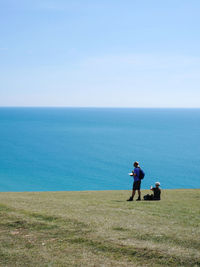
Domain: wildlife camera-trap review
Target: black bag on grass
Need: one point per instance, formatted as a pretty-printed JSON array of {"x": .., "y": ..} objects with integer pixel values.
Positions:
[{"x": 148, "y": 197}]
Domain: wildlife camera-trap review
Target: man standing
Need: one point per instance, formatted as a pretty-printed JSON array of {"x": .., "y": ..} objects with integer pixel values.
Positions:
[{"x": 137, "y": 181}]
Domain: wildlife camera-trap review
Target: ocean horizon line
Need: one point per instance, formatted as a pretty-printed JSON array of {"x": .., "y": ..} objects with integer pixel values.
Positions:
[{"x": 96, "y": 107}]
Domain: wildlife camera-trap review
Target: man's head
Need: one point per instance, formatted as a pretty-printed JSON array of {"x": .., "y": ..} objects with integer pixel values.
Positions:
[
  {"x": 136, "y": 164},
  {"x": 157, "y": 184}
]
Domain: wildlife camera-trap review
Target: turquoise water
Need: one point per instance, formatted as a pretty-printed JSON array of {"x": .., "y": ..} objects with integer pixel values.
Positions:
[{"x": 44, "y": 149}]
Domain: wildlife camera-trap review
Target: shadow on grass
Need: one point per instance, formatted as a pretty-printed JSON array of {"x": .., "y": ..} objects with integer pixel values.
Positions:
[{"x": 118, "y": 201}]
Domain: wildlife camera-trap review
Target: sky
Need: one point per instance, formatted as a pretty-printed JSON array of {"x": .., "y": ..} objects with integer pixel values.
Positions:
[{"x": 100, "y": 53}]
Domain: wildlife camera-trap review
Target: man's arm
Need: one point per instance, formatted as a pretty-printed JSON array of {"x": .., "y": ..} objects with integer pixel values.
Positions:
[{"x": 134, "y": 174}]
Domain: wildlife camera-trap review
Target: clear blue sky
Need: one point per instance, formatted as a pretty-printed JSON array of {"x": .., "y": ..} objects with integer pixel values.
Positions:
[{"x": 120, "y": 53}]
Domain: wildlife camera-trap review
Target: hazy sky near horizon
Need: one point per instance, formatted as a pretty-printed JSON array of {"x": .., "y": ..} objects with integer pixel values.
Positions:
[{"x": 131, "y": 53}]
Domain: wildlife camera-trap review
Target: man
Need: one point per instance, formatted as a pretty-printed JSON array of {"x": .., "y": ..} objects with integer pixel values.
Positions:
[
  {"x": 156, "y": 191},
  {"x": 137, "y": 181}
]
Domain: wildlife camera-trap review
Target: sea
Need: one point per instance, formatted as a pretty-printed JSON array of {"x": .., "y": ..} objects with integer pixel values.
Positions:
[{"x": 76, "y": 149}]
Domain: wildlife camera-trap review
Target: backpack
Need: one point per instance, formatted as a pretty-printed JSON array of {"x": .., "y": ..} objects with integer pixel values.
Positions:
[
  {"x": 141, "y": 174},
  {"x": 148, "y": 197}
]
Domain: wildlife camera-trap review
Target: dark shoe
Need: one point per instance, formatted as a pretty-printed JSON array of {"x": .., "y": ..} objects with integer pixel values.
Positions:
[
  {"x": 130, "y": 199},
  {"x": 139, "y": 199}
]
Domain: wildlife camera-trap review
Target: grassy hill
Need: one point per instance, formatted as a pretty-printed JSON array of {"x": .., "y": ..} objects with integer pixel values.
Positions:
[{"x": 99, "y": 229}]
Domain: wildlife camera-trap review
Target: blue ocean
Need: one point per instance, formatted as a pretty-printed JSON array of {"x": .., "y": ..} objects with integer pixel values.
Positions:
[{"x": 58, "y": 149}]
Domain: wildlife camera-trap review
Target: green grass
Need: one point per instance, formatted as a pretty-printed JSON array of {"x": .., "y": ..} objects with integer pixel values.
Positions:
[{"x": 99, "y": 229}]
